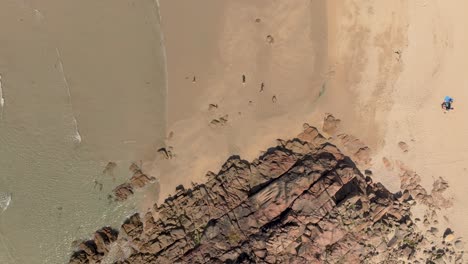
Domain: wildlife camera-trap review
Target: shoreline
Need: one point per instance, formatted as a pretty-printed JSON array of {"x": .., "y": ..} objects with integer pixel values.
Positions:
[
  {"x": 238, "y": 81},
  {"x": 303, "y": 200}
]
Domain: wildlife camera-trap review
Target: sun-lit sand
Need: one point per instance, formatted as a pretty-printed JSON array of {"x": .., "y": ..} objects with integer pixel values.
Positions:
[
  {"x": 243, "y": 73},
  {"x": 260, "y": 66}
]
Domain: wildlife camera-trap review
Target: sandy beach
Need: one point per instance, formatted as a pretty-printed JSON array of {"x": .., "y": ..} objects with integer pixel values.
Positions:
[
  {"x": 261, "y": 70},
  {"x": 167, "y": 91},
  {"x": 246, "y": 73}
]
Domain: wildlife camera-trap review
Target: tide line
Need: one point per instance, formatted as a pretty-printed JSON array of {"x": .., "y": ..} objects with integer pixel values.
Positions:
[{"x": 77, "y": 135}]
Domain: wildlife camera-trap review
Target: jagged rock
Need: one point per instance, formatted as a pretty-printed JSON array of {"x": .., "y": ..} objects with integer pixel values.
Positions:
[
  {"x": 133, "y": 226},
  {"x": 104, "y": 237},
  {"x": 359, "y": 151},
  {"x": 440, "y": 185},
  {"x": 330, "y": 124},
  {"x": 302, "y": 201},
  {"x": 93, "y": 251},
  {"x": 123, "y": 191},
  {"x": 138, "y": 180},
  {"x": 392, "y": 238}
]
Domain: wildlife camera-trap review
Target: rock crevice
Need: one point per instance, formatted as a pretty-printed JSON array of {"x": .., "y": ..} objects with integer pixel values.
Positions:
[{"x": 302, "y": 201}]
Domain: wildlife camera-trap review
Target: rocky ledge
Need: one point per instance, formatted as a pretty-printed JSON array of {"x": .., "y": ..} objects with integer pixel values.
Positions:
[
  {"x": 302, "y": 201},
  {"x": 138, "y": 180}
]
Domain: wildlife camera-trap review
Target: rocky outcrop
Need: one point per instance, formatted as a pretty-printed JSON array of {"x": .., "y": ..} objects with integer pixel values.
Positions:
[
  {"x": 302, "y": 201},
  {"x": 354, "y": 147},
  {"x": 138, "y": 180},
  {"x": 94, "y": 250}
]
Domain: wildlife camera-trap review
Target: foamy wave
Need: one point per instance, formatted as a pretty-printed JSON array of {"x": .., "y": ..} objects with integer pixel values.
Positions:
[
  {"x": 5, "y": 200},
  {"x": 2, "y": 99},
  {"x": 38, "y": 15},
  {"x": 77, "y": 135}
]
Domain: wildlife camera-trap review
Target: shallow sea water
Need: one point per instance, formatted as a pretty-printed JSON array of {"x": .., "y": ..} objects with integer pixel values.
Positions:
[{"x": 82, "y": 84}]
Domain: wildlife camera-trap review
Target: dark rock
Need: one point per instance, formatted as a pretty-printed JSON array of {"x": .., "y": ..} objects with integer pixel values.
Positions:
[
  {"x": 302, "y": 201},
  {"x": 138, "y": 180},
  {"x": 330, "y": 124},
  {"x": 123, "y": 191}
]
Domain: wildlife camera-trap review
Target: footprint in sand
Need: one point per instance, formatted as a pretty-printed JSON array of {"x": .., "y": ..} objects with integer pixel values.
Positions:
[
  {"x": 219, "y": 122},
  {"x": 243, "y": 79},
  {"x": 165, "y": 153},
  {"x": 397, "y": 55},
  {"x": 270, "y": 39},
  {"x": 258, "y": 20},
  {"x": 212, "y": 107},
  {"x": 170, "y": 136},
  {"x": 403, "y": 146},
  {"x": 273, "y": 99},
  {"x": 261, "y": 87},
  {"x": 194, "y": 80}
]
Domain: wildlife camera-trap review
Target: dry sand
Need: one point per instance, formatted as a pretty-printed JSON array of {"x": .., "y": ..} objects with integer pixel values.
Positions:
[
  {"x": 382, "y": 67},
  {"x": 434, "y": 65}
]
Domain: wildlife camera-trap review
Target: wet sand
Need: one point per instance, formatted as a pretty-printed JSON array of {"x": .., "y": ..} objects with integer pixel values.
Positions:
[{"x": 221, "y": 59}]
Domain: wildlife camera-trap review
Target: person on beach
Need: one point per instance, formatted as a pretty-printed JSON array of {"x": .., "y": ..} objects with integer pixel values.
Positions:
[{"x": 447, "y": 104}]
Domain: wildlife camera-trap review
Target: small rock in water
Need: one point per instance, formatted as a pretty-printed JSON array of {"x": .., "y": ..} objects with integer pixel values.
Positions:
[{"x": 109, "y": 169}]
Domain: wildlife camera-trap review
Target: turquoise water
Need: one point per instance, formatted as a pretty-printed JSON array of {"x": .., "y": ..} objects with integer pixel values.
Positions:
[{"x": 83, "y": 83}]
